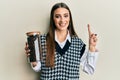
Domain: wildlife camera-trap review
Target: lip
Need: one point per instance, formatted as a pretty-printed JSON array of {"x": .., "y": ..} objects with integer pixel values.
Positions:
[{"x": 62, "y": 24}]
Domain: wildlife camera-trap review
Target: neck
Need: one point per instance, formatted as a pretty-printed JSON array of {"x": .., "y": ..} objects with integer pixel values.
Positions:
[{"x": 61, "y": 35}]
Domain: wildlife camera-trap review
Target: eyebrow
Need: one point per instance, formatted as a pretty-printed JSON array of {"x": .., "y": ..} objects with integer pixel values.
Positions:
[{"x": 64, "y": 14}]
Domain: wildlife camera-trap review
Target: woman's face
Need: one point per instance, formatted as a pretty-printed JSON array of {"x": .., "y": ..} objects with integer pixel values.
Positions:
[{"x": 61, "y": 19}]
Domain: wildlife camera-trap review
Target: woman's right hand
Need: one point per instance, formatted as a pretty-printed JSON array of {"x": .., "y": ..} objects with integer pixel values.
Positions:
[{"x": 27, "y": 50}]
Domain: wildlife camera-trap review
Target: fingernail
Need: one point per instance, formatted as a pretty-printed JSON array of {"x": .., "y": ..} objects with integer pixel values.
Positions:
[{"x": 95, "y": 34}]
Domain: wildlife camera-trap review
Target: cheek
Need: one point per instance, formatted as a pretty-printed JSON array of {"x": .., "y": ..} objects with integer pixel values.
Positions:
[
  {"x": 56, "y": 21},
  {"x": 68, "y": 21}
]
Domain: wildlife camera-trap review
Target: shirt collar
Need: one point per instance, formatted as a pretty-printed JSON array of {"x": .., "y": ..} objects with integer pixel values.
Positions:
[{"x": 67, "y": 37}]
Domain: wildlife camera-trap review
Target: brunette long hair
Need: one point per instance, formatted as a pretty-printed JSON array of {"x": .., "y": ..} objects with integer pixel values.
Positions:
[{"x": 50, "y": 56}]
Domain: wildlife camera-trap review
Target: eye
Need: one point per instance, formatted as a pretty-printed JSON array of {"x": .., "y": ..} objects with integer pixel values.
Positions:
[
  {"x": 57, "y": 16},
  {"x": 66, "y": 15}
]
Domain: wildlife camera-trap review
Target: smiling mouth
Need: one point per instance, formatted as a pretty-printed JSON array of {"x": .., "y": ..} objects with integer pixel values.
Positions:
[{"x": 62, "y": 24}]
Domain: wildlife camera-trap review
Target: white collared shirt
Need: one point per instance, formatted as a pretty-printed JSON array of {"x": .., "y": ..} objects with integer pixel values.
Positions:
[
  {"x": 62, "y": 44},
  {"x": 88, "y": 60}
]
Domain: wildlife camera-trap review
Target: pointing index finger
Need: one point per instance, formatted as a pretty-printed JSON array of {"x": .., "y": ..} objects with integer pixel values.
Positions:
[{"x": 89, "y": 31}]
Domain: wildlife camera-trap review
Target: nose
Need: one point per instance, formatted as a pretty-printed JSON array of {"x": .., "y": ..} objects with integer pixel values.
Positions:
[{"x": 62, "y": 19}]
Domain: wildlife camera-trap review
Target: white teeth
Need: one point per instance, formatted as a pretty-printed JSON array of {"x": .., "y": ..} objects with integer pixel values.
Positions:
[{"x": 62, "y": 24}]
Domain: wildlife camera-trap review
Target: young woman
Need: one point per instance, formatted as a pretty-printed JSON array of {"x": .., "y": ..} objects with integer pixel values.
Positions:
[{"x": 62, "y": 50}]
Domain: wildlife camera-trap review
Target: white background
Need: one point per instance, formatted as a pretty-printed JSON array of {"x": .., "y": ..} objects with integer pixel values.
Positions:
[{"x": 20, "y": 16}]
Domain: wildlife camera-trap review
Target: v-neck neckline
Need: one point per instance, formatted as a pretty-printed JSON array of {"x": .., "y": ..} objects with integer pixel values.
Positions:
[{"x": 60, "y": 50}]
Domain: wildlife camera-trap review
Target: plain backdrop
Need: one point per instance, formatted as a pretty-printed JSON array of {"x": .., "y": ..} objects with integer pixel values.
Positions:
[{"x": 20, "y": 16}]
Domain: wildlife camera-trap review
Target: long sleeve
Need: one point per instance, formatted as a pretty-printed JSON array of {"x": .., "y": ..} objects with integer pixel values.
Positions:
[
  {"x": 37, "y": 68},
  {"x": 88, "y": 61}
]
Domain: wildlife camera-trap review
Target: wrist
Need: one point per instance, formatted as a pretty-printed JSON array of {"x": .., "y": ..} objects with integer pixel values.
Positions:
[
  {"x": 33, "y": 64},
  {"x": 92, "y": 48}
]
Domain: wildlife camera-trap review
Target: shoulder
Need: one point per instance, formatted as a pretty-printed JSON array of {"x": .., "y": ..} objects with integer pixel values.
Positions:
[
  {"x": 77, "y": 40},
  {"x": 43, "y": 36}
]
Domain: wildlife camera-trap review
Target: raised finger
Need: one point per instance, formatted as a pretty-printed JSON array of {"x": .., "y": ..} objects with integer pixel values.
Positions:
[{"x": 89, "y": 30}]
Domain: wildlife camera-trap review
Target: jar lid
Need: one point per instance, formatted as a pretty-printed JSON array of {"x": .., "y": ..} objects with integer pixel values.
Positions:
[{"x": 33, "y": 33}]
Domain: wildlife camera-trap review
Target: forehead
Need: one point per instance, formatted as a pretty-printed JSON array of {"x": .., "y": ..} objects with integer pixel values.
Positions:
[{"x": 61, "y": 11}]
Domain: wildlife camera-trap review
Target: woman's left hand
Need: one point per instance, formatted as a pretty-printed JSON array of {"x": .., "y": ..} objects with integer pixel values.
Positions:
[{"x": 92, "y": 40}]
